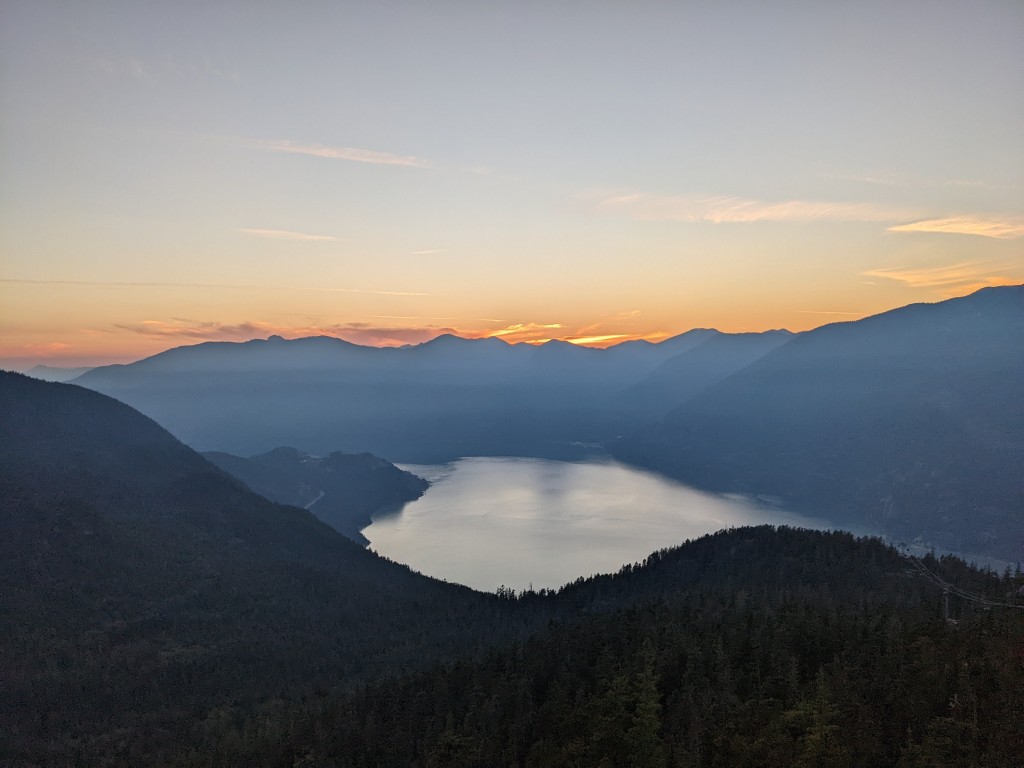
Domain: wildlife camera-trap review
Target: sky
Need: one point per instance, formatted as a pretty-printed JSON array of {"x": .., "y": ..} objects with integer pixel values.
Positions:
[{"x": 384, "y": 172}]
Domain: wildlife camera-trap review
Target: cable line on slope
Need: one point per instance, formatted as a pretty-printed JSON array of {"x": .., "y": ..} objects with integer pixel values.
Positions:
[{"x": 954, "y": 590}]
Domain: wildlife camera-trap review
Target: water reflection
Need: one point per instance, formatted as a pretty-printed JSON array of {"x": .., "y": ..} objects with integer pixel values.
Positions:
[{"x": 517, "y": 521}]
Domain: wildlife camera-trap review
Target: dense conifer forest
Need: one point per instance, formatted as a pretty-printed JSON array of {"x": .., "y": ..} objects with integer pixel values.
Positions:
[{"x": 752, "y": 647}]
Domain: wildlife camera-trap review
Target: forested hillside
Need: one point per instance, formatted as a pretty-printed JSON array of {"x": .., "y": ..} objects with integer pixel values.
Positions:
[
  {"x": 141, "y": 588},
  {"x": 342, "y": 489},
  {"x": 753, "y": 647}
]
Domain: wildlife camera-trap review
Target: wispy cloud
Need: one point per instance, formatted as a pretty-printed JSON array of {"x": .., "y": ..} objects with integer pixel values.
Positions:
[
  {"x": 217, "y": 286},
  {"x": 584, "y": 340},
  {"x": 409, "y": 317},
  {"x": 205, "y": 331},
  {"x": 949, "y": 280},
  {"x": 899, "y": 180},
  {"x": 886, "y": 178},
  {"x": 45, "y": 349},
  {"x": 358, "y": 333},
  {"x": 149, "y": 69},
  {"x": 1007, "y": 228},
  {"x": 428, "y": 252},
  {"x": 883, "y": 179},
  {"x": 516, "y": 332},
  {"x": 829, "y": 312},
  {"x": 721, "y": 209},
  {"x": 283, "y": 234},
  {"x": 617, "y": 319},
  {"x": 357, "y": 290},
  {"x": 594, "y": 334},
  {"x": 352, "y": 154},
  {"x": 383, "y": 336}
]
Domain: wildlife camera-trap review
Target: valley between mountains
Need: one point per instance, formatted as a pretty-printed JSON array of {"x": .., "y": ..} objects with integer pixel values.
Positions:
[{"x": 909, "y": 423}]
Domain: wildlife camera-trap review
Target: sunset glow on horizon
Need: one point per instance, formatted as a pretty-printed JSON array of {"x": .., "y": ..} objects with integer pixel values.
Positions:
[{"x": 386, "y": 173}]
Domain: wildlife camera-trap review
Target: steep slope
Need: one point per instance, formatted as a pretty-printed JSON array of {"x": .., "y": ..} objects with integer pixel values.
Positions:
[
  {"x": 341, "y": 489},
  {"x": 141, "y": 586},
  {"x": 911, "y": 421},
  {"x": 646, "y": 356},
  {"x": 681, "y": 377}
]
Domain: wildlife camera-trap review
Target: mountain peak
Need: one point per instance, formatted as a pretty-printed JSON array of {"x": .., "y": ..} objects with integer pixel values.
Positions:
[
  {"x": 451, "y": 340},
  {"x": 445, "y": 339},
  {"x": 557, "y": 343}
]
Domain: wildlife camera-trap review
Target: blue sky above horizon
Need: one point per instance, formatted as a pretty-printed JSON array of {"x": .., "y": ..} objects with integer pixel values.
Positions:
[{"x": 385, "y": 172}]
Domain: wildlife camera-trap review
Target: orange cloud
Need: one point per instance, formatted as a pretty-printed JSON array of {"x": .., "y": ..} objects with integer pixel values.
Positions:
[
  {"x": 357, "y": 333},
  {"x": 611, "y": 339},
  {"x": 232, "y": 286},
  {"x": 283, "y": 234},
  {"x": 516, "y": 332},
  {"x": 597, "y": 340},
  {"x": 125, "y": 342},
  {"x": 353, "y": 154},
  {"x": 539, "y": 333},
  {"x": 953, "y": 280},
  {"x": 378, "y": 335},
  {"x": 45, "y": 350},
  {"x": 203, "y": 331},
  {"x": 981, "y": 226},
  {"x": 722, "y": 209}
]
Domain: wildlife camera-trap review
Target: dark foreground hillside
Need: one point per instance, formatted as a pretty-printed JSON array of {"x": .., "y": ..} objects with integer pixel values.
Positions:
[
  {"x": 154, "y": 612},
  {"x": 753, "y": 647},
  {"x": 141, "y": 588}
]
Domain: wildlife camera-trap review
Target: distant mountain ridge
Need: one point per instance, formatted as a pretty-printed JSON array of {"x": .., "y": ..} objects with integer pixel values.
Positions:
[
  {"x": 56, "y": 373},
  {"x": 428, "y": 403}
]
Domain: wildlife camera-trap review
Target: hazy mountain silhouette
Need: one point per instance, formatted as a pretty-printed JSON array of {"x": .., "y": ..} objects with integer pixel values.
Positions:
[
  {"x": 55, "y": 373},
  {"x": 662, "y": 350},
  {"x": 911, "y": 421},
  {"x": 341, "y": 489},
  {"x": 436, "y": 401}
]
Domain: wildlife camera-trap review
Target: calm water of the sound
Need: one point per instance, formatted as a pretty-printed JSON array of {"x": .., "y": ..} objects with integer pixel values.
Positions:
[{"x": 487, "y": 522}]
